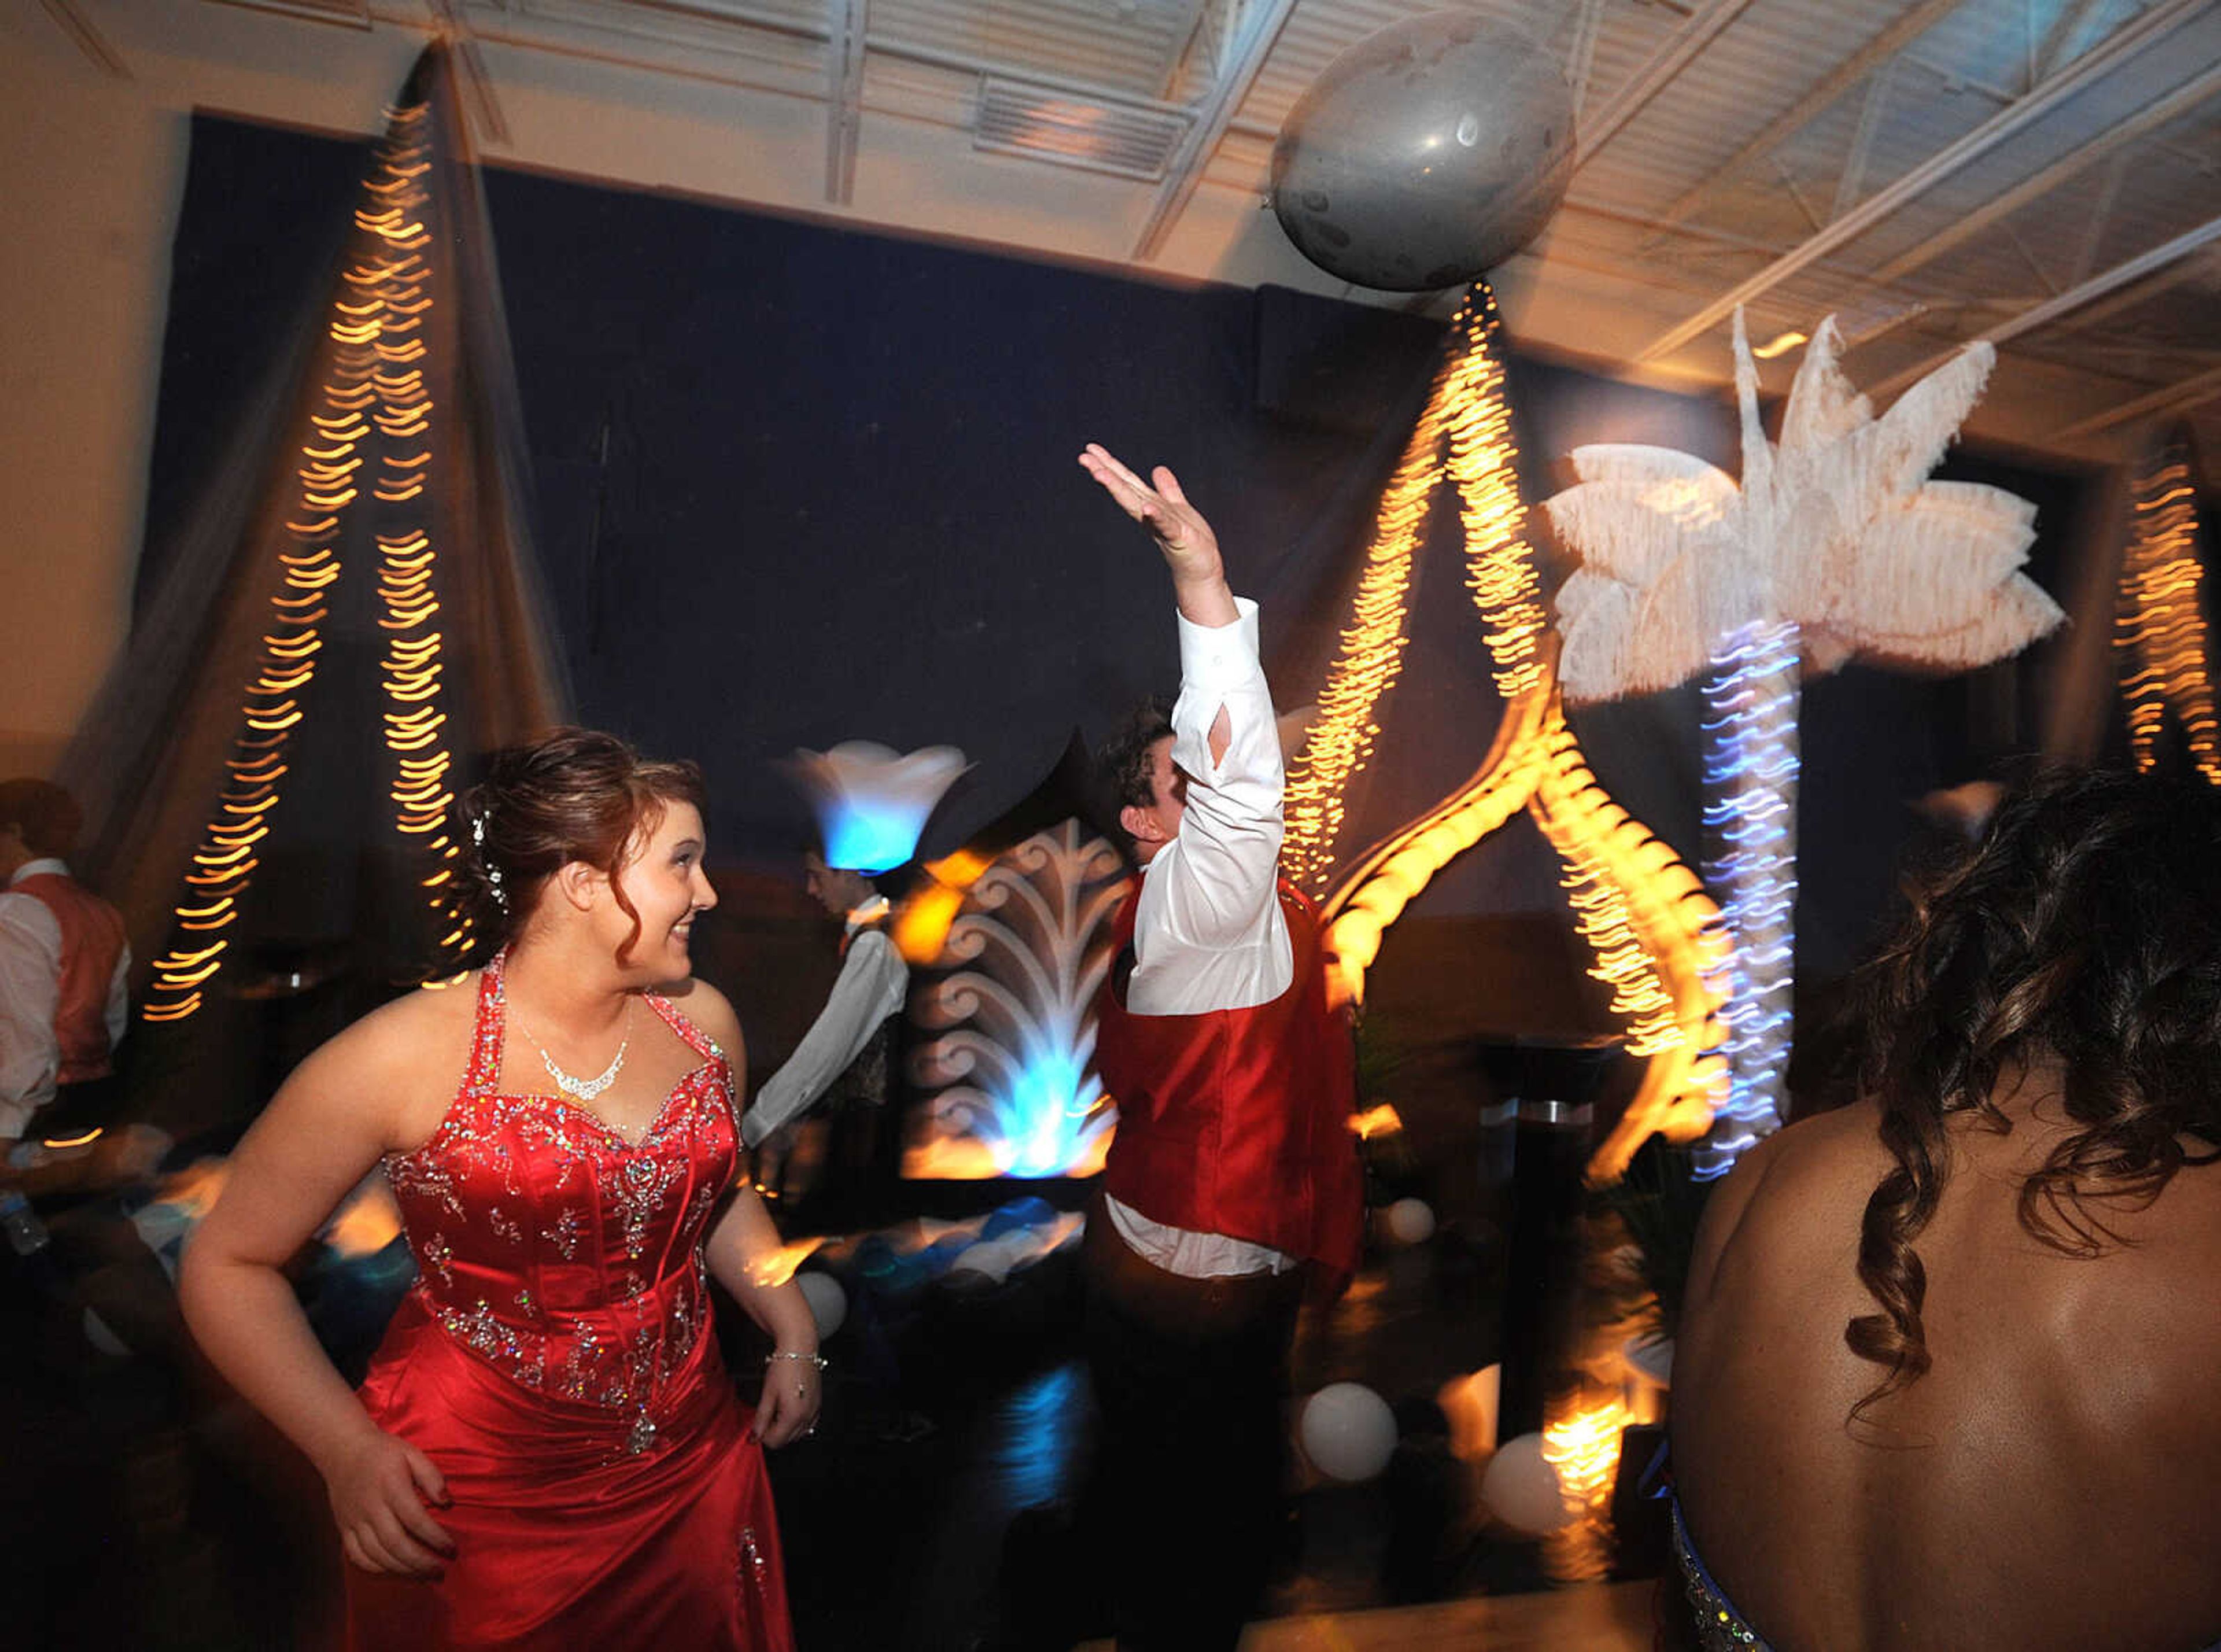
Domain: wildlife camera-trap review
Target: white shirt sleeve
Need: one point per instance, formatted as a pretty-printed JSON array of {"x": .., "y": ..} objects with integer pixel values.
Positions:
[
  {"x": 1207, "y": 934},
  {"x": 30, "y": 990},
  {"x": 873, "y": 980}
]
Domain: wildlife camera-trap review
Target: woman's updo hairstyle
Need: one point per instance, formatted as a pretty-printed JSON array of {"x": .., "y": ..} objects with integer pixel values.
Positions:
[
  {"x": 573, "y": 794},
  {"x": 2079, "y": 943}
]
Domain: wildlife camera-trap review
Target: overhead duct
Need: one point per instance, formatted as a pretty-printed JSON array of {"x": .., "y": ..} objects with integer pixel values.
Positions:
[{"x": 1017, "y": 117}]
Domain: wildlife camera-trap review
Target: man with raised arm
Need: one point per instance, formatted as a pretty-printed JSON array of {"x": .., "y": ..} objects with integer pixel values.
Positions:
[{"x": 1234, "y": 1176}]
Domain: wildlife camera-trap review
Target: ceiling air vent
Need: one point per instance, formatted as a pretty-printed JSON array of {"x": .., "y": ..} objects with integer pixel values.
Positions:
[{"x": 1073, "y": 130}]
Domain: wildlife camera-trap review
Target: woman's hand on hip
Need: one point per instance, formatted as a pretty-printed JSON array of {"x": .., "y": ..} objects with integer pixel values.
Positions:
[{"x": 380, "y": 1492}]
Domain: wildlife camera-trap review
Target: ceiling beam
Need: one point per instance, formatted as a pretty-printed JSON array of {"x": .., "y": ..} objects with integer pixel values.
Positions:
[
  {"x": 1853, "y": 179},
  {"x": 1253, "y": 38},
  {"x": 1624, "y": 105},
  {"x": 1728, "y": 241},
  {"x": 2124, "y": 42},
  {"x": 1884, "y": 46},
  {"x": 2177, "y": 102},
  {"x": 2169, "y": 398},
  {"x": 2098, "y": 286},
  {"x": 2064, "y": 29},
  {"x": 2073, "y": 298},
  {"x": 2141, "y": 293},
  {"x": 1179, "y": 44},
  {"x": 845, "y": 22},
  {"x": 475, "y": 78},
  {"x": 1580, "y": 55},
  {"x": 343, "y": 14},
  {"x": 88, "y": 39},
  {"x": 699, "y": 66},
  {"x": 2101, "y": 214}
]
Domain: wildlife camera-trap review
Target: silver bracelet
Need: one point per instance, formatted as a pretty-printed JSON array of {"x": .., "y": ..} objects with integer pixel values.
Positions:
[{"x": 817, "y": 1360}]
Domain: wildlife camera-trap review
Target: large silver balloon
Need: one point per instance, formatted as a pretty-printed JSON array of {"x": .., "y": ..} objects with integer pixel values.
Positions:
[{"x": 1425, "y": 155}]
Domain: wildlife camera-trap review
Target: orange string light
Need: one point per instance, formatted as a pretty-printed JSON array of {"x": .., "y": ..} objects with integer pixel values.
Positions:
[
  {"x": 372, "y": 388},
  {"x": 1650, "y": 929},
  {"x": 2160, "y": 623}
]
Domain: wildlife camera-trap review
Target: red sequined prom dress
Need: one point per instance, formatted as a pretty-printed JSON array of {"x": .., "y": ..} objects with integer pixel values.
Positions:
[{"x": 555, "y": 1360}]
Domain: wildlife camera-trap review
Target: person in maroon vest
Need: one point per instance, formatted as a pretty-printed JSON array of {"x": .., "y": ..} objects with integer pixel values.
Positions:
[
  {"x": 63, "y": 965},
  {"x": 1234, "y": 1181}
]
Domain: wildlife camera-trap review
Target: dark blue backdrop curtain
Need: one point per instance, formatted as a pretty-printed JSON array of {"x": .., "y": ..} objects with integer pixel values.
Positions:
[{"x": 793, "y": 484}]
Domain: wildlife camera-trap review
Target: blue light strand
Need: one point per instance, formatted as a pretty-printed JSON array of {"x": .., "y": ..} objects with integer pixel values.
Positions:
[{"x": 1750, "y": 827}]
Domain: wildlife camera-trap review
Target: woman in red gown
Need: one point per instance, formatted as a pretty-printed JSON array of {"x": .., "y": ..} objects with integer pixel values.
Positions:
[{"x": 547, "y": 1452}]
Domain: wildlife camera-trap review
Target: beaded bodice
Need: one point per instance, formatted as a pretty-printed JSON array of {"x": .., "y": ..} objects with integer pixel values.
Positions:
[
  {"x": 1720, "y": 1627},
  {"x": 568, "y": 1258}
]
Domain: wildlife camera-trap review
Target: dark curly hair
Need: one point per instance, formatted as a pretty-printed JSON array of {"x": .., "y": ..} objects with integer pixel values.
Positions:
[
  {"x": 573, "y": 794},
  {"x": 1122, "y": 767},
  {"x": 2083, "y": 934}
]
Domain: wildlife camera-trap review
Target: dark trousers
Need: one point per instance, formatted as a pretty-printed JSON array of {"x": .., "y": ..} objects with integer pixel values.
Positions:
[
  {"x": 858, "y": 1183},
  {"x": 1190, "y": 1375}
]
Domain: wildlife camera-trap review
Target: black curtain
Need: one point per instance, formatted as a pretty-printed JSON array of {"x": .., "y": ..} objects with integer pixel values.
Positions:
[{"x": 792, "y": 483}]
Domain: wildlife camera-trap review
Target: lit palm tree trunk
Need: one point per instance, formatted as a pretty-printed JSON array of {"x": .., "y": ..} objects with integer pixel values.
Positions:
[{"x": 1750, "y": 828}]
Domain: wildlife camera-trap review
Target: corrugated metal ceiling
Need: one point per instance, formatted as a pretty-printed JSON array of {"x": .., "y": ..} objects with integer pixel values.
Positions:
[{"x": 1756, "y": 146}]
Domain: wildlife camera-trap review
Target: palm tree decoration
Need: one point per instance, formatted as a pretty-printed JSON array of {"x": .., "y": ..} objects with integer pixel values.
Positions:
[{"x": 1835, "y": 545}]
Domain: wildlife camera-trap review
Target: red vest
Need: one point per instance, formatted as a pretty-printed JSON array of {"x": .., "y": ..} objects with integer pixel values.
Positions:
[
  {"x": 92, "y": 942},
  {"x": 1237, "y": 1122}
]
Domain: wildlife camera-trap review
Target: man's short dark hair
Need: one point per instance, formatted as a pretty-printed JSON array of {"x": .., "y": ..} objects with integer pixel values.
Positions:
[
  {"x": 871, "y": 878},
  {"x": 1122, "y": 767},
  {"x": 47, "y": 816}
]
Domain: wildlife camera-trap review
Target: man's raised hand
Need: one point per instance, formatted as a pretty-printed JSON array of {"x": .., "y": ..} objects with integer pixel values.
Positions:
[{"x": 1189, "y": 549}]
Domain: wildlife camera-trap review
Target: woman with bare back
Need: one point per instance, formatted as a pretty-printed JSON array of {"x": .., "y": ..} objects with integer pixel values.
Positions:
[{"x": 1946, "y": 1377}]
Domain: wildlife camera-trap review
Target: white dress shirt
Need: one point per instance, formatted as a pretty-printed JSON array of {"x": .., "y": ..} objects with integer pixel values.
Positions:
[
  {"x": 30, "y": 991},
  {"x": 1207, "y": 930},
  {"x": 871, "y": 983}
]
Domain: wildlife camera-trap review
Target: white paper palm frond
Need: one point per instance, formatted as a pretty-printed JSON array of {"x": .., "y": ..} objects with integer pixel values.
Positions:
[
  {"x": 1823, "y": 406},
  {"x": 1662, "y": 556},
  {"x": 1945, "y": 562},
  {"x": 1837, "y": 530},
  {"x": 2015, "y": 616}
]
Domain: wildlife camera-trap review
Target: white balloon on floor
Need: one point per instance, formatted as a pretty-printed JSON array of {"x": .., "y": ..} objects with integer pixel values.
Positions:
[
  {"x": 1521, "y": 1490},
  {"x": 1348, "y": 1431},
  {"x": 1411, "y": 1221},
  {"x": 828, "y": 1303}
]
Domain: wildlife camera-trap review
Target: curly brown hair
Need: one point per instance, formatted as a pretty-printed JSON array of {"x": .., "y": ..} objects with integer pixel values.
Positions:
[
  {"x": 573, "y": 794},
  {"x": 2082, "y": 935}
]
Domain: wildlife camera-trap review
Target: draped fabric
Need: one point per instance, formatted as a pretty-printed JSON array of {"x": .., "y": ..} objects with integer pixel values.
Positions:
[
  {"x": 555, "y": 1360},
  {"x": 740, "y": 421},
  {"x": 175, "y": 719}
]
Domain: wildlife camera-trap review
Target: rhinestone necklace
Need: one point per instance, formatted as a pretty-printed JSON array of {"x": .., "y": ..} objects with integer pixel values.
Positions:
[{"x": 584, "y": 1089}]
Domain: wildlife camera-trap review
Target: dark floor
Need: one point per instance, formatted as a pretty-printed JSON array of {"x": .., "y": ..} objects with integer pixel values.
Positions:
[
  {"x": 895, "y": 1514},
  {"x": 140, "y": 1507}
]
